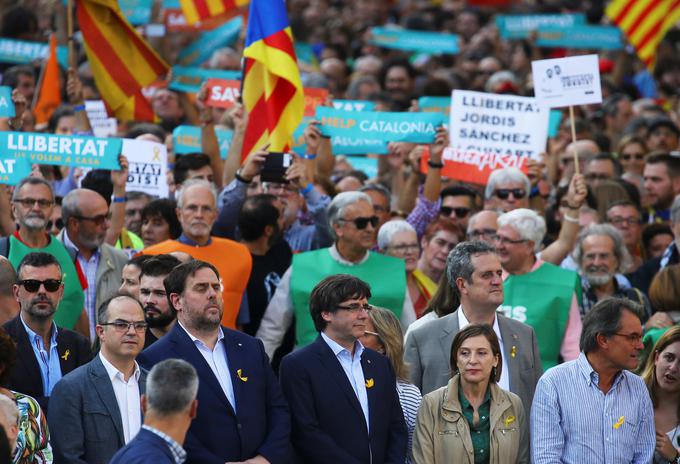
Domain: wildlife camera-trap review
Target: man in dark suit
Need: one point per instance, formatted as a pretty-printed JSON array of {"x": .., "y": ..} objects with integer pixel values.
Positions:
[
  {"x": 474, "y": 271},
  {"x": 342, "y": 397},
  {"x": 95, "y": 410},
  {"x": 45, "y": 352},
  {"x": 169, "y": 407},
  {"x": 242, "y": 415}
]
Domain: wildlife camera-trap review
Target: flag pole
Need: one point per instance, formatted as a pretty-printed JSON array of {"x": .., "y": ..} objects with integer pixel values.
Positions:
[
  {"x": 573, "y": 137},
  {"x": 69, "y": 34}
]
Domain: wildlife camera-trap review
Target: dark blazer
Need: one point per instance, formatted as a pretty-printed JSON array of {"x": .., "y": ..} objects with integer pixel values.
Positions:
[
  {"x": 261, "y": 423},
  {"x": 328, "y": 423},
  {"x": 145, "y": 448},
  {"x": 84, "y": 419},
  {"x": 73, "y": 350}
]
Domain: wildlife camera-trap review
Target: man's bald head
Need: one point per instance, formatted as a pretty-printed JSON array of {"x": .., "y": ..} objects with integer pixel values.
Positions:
[{"x": 9, "y": 306}]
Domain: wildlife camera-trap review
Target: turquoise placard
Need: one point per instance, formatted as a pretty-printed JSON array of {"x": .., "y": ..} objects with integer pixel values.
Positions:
[
  {"x": 24, "y": 52},
  {"x": 13, "y": 170},
  {"x": 6, "y": 104},
  {"x": 354, "y": 105},
  {"x": 189, "y": 78},
  {"x": 138, "y": 12},
  {"x": 62, "y": 150},
  {"x": 415, "y": 41},
  {"x": 305, "y": 54},
  {"x": 340, "y": 145},
  {"x": 435, "y": 105},
  {"x": 171, "y": 4},
  {"x": 554, "y": 121},
  {"x": 187, "y": 139},
  {"x": 202, "y": 48},
  {"x": 520, "y": 26},
  {"x": 585, "y": 37},
  {"x": 372, "y": 125},
  {"x": 369, "y": 166}
]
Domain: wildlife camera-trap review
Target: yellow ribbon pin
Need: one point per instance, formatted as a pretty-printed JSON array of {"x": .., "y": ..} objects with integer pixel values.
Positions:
[
  {"x": 509, "y": 420},
  {"x": 240, "y": 376},
  {"x": 513, "y": 351},
  {"x": 66, "y": 355},
  {"x": 619, "y": 423},
  {"x": 369, "y": 383}
]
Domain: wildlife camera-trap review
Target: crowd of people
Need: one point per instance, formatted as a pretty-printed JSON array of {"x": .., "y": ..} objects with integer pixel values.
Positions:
[{"x": 339, "y": 316}]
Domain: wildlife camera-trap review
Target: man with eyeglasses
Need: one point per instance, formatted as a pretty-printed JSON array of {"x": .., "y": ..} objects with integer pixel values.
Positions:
[
  {"x": 87, "y": 219},
  {"x": 95, "y": 410},
  {"x": 507, "y": 189},
  {"x": 342, "y": 397},
  {"x": 32, "y": 205},
  {"x": 353, "y": 222},
  {"x": 45, "y": 351},
  {"x": 594, "y": 409},
  {"x": 627, "y": 219},
  {"x": 458, "y": 203},
  {"x": 601, "y": 167}
]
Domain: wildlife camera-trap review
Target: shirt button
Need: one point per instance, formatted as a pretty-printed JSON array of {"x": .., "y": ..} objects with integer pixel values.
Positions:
[
  {"x": 483, "y": 417},
  {"x": 239, "y": 426}
]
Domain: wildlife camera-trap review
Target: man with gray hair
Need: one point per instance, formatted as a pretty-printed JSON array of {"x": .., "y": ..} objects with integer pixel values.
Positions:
[
  {"x": 353, "y": 223},
  {"x": 538, "y": 293},
  {"x": 474, "y": 271},
  {"x": 600, "y": 255},
  {"x": 507, "y": 189},
  {"x": 9, "y": 421},
  {"x": 169, "y": 406}
]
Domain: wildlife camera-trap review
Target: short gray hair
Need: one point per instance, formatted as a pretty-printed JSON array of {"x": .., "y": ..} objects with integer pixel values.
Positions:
[
  {"x": 187, "y": 184},
  {"x": 380, "y": 188},
  {"x": 459, "y": 261},
  {"x": 389, "y": 229},
  {"x": 620, "y": 250},
  {"x": 604, "y": 319},
  {"x": 9, "y": 409},
  {"x": 506, "y": 176},
  {"x": 171, "y": 387},
  {"x": 527, "y": 222},
  {"x": 675, "y": 210},
  {"x": 336, "y": 209},
  {"x": 31, "y": 181}
]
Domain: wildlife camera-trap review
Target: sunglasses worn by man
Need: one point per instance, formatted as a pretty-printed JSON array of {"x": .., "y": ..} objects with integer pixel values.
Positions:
[
  {"x": 460, "y": 212},
  {"x": 33, "y": 285},
  {"x": 362, "y": 222},
  {"x": 504, "y": 194}
]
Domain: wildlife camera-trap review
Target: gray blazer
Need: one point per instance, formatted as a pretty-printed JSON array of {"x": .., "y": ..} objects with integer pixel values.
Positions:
[
  {"x": 428, "y": 353},
  {"x": 83, "y": 416}
]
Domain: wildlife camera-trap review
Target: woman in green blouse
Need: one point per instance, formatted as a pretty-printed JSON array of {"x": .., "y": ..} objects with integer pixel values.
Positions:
[{"x": 472, "y": 420}]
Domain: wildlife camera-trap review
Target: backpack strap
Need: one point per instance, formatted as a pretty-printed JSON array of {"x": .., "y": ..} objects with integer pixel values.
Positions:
[{"x": 4, "y": 246}]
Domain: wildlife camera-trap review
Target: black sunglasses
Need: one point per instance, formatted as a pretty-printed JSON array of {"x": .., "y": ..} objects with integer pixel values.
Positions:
[
  {"x": 33, "y": 285},
  {"x": 362, "y": 222},
  {"x": 97, "y": 220},
  {"x": 504, "y": 194},
  {"x": 460, "y": 212},
  {"x": 59, "y": 224}
]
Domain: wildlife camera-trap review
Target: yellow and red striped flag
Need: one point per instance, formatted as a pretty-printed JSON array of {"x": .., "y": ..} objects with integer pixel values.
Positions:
[
  {"x": 644, "y": 23},
  {"x": 121, "y": 60},
  {"x": 49, "y": 96},
  {"x": 200, "y": 10},
  {"x": 272, "y": 90}
]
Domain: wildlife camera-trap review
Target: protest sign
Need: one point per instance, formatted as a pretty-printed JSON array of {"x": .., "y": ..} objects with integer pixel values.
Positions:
[
  {"x": 25, "y": 52},
  {"x": 435, "y": 105},
  {"x": 570, "y": 81},
  {"x": 368, "y": 165},
  {"x": 138, "y": 12},
  {"x": 102, "y": 124},
  {"x": 148, "y": 167},
  {"x": 305, "y": 54},
  {"x": 223, "y": 93},
  {"x": 372, "y": 125},
  {"x": 554, "y": 122},
  {"x": 187, "y": 139},
  {"x": 201, "y": 49},
  {"x": 340, "y": 145},
  {"x": 353, "y": 105},
  {"x": 13, "y": 170},
  {"x": 474, "y": 167},
  {"x": 586, "y": 37},
  {"x": 484, "y": 123},
  {"x": 432, "y": 43},
  {"x": 62, "y": 150},
  {"x": 520, "y": 26},
  {"x": 6, "y": 103},
  {"x": 313, "y": 98},
  {"x": 189, "y": 78}
]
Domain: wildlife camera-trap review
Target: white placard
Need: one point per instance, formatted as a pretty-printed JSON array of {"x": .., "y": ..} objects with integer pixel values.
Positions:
[
  {"x": 148, "y": 167},
  {"x": 487, "y": 123},
  {"x": 102, "y": 125},
  {"x": 570, "y": 81}
]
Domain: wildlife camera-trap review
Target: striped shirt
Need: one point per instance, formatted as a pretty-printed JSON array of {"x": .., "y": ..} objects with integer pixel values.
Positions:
[
  {"x": 89, "y": 267},
  {"x": 178, "y": 453},
  {"x": 409, "y": 398},
  {"x": 573, "y": 421}
]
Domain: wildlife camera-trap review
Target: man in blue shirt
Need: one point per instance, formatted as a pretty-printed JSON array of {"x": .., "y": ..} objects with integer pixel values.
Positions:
[{"x": 593, "y": 409}]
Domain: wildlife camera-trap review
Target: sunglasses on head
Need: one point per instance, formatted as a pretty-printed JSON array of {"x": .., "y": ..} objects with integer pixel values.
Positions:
[
  {"x": 362, "y": 222},
  {"x": 461, "y": 212},
  {"x": 33, "y": 285},
  {"x": 504, "y": 194}
]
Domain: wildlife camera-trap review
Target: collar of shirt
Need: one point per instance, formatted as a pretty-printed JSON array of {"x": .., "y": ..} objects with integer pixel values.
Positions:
[
  {"x": 463, "y": 322},
  {"x": 335, "y": 254},
  {"x": 69, "y": 242},
  {"x": 668, "y": 255},
  {"x": 220, "y": 335},
  {"x": 32, "y": 335},
  {"x": 591, "y": 375},
  {"x": 113, "y": 371},
  {"x": 187, "y": 241},
  {"x": 337, "y": 349},
  {"x": 178, "y": 453}
]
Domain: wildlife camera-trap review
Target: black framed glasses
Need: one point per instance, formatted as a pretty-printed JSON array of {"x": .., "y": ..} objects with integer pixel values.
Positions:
[
  {"x": 29, "y": 202},
  {"x": 356, "y": 307},
  {"x": 630, "y": 221},
  {"x": 504, "y": 194},
  {"x": 59, "y": 224},
  {"x": 633, "y": 338},
  {"x": 363, "y": 222},
  {"x": 477, "y": 234},
  {"x": 460, "y": 212},
  {"x": 507, "y": 241},
  {"x": 636, "y": 156},
  {"x": 123, "y": 326},
  {"x": 33, "y": 285},
  {"x": 97, "y": 220}
]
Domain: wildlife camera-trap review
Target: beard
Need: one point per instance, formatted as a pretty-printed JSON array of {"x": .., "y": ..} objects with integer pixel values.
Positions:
[
  {"x": 38, "y": 312},
  {"x": 595, "y": 277},
  {"x": 159, "y": 319},
  {"x": 34, "y": 223}
]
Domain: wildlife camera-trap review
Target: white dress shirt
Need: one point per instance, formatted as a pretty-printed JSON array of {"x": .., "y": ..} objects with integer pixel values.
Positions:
[{"x": 127, "y": 397}]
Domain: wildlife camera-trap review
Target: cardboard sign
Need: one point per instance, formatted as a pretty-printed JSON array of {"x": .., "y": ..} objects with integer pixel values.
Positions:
[
  {"x": 201, "y": 50},
  {"x": 187, "y": 139},
  {"x": 138, "y": 12},
  {"x": 354, "y": 105},
  {"x": 366, "y": 164},
  {"x": 433, "y": 43},
  {"x": 223, "y": 93},
  {"x": 25, "y": 52},
  {"x": 435, "y": 105},
  {"x": 6, "y": 104},
  {"x": 474, "y": 167},
  {"x": 313, "y": 98},
  {"x": 485, "y": 123},
  {"x": 570, "y": 81},
  {"x": 189, "y": 79},
  {"x": 521, "y": 26},
  {"x": 13, "y": 170},
  {"x": 340, "y": 145},
  {"x": 554, "y": 122},
  {"x": 584, "y": 37},
  {"x": 102, "y": 124},
  {"x": 148, "y": 167}
]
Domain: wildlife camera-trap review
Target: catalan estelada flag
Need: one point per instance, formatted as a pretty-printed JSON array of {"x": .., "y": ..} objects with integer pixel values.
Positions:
[
  {"x": 200, "y": 10},
  {"x": 121, "y": 61},
  {"x": 49, "y": 96},
  {"x": 644, "y": 23},
  {"x": 272, "y": 91}
]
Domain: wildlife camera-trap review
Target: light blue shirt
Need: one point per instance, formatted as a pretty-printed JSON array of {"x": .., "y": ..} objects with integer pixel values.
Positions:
[
  {"x": 217, "y": 361},
  {"x": 48, "y": 361},
  {"x": 573, "y": 421},
  {"x": 352, "y": 367}
]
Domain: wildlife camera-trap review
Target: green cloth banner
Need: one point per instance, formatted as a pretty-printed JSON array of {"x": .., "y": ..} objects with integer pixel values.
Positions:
[
  {"x": 201, "y": 49},
  {"x": 6, "y": 104},
  {"x": 373, "y": 126},
  {"x": 62, "y": 150},
  {"x": 432, "y": 43},
  {"x": 187, "y": 139},
  {"x": 583, "y": 37},
  {"x": 189, "y": 78},
  {"x": 521, "y": 26},
  {"x": 25, "y": 52}
]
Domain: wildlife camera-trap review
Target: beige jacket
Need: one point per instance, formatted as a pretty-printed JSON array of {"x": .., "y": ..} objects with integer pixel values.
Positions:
[{"x": 442, "y": 434}]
